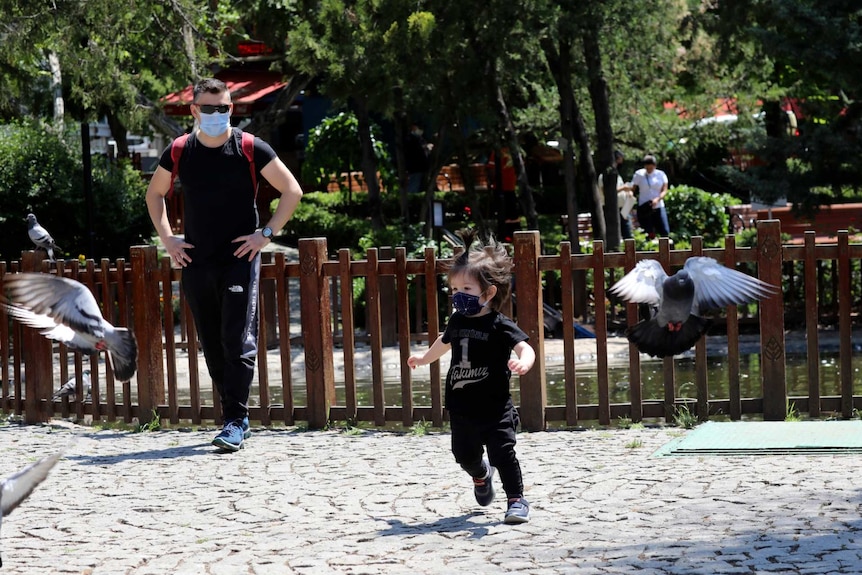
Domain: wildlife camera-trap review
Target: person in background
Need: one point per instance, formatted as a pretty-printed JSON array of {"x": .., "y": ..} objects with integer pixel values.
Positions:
[
  {"x": 220, "y": 253},
  {"x": 625, "y": 198},
  {"x": 650, "y": 184},
  {"x": 477, "y": 386},
  {"x": 416, "y": 152}
]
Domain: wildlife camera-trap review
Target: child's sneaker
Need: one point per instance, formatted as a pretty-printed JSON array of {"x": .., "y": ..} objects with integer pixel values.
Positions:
[
  {"x": 483, "y": 489},
  {"x": 518, "y": 511}
]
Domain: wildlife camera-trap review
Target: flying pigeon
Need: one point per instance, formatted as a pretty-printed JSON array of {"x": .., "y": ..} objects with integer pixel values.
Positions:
[
  {"x": 40, "y": 236},
  {"x": 65, "y": 310},
  {"x": 680, "y": 301},
  {"x": 15, "y": 488},
  {"x": 69, "y": 390}
]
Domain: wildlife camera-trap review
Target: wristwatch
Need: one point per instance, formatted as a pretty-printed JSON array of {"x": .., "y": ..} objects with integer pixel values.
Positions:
[{"x": 266, "y": 232}]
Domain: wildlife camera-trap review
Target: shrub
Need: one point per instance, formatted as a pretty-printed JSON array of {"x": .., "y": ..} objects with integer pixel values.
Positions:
[
  {"x": 42, "y": 172},
  {"x": 334, "y": 147},
  {"x": 694, "y": 212}
]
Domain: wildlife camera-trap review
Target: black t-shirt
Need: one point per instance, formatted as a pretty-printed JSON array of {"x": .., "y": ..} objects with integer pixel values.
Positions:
[
  {"x": 477, "y": 384},
  {"x": 218, "y": 195}
]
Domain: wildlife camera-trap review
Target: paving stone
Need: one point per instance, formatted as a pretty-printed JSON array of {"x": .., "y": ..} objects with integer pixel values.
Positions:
[{"x": 315, "y": 503}]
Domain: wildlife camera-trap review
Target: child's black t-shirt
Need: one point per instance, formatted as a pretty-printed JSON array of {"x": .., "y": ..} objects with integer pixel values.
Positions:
[{"x": 477, "y": 384}]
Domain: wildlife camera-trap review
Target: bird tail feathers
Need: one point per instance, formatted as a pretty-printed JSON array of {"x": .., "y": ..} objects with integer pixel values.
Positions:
[
  {"x": 124, "y": 353},
  {"x": 657, "y": 341}
]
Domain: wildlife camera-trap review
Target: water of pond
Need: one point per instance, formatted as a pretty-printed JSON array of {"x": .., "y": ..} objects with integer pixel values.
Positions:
[{"x": 652, "y": 378}]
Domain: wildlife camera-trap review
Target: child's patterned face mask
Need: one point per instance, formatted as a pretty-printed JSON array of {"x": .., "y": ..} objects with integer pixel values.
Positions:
[{"x": 467, "y": 304}]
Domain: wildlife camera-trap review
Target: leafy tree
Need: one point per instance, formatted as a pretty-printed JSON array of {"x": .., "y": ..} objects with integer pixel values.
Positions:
[
  {"x": 42, "y": 172},
  {"x": 797, "y": 52}
]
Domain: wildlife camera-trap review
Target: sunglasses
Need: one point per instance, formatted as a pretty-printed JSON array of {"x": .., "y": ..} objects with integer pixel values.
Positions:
[{"x": 211, "y": 109}]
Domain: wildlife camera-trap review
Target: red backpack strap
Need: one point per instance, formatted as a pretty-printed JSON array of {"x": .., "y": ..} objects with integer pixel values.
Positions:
[
  {"x": 248, "y": 152},
  {"x": 177, "y": 147}
]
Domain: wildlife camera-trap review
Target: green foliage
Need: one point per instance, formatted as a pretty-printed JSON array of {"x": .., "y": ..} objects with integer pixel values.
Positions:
[
  {"x": 154, "y": 424},
  {"x": 694, "y": 212},
  {"x": 684, "y": 417},
  {"x": 42, "y": 172},
  {"x": 333, "y": 148}
]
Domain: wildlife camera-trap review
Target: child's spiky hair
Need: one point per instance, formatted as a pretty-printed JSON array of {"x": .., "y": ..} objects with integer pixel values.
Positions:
[{"x": 487, "y": 262}]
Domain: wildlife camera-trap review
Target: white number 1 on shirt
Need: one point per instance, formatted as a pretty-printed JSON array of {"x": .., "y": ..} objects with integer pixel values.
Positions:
[{"x": 465, "y": 359}]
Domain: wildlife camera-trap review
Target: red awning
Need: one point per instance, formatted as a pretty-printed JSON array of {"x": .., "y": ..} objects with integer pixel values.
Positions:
[{"x": 247, "y": 88}]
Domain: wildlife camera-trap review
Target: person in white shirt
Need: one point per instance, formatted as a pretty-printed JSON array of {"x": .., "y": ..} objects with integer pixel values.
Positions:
[
  {"x": 625, "y": 198},
  {"x": 651, "y": 186}
]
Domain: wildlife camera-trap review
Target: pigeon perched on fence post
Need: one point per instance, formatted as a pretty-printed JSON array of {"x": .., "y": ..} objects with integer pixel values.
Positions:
[
  {"x": 69, "y": 390},
  {"x": 680, "y": 301},
  {"x": 40, "y": 236},
  {"x": 65, "y": 310},
  {"x": 15, "y": 488}
]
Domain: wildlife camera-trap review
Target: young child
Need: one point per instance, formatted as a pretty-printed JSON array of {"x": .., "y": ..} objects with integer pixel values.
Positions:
[{"x": 480, "y": 406}]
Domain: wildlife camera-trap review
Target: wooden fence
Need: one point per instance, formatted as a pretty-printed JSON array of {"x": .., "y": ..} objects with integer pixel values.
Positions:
[{"x": 397, "y": 292}]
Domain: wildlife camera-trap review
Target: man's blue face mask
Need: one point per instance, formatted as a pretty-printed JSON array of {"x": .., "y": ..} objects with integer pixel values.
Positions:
[
  {"x": 467, "y": 304},
  {"x": 215, "y": 124}
]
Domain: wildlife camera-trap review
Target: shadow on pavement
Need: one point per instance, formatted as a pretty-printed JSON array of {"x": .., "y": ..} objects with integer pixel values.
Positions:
[{"x": 444, "y": 525}]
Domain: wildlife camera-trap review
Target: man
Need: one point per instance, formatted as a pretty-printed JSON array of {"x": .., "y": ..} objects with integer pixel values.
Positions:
[
  {"x": 220, "y": 253},
  {"x": 651, "y": 186}
]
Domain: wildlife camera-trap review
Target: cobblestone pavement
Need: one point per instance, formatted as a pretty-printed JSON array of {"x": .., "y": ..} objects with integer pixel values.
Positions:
[{"x": 300, "y": 502}]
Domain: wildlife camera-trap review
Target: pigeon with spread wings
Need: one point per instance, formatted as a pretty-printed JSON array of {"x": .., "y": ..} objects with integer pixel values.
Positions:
[
  {"x": 64, "y": 310},
  {"x": 680, "y": 301},
  {"x": 15, "y": 488}
]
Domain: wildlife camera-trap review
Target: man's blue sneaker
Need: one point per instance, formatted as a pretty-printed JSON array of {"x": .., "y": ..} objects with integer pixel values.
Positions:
[
  {"x": 483, "y": 489},
  {"x": 246, "y": 429},
  {"x": 518, "y": 511},
  {"x": 231, "y": 436}
]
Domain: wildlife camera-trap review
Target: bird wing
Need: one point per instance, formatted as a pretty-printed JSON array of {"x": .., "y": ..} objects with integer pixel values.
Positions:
[
  {"x": 643, "y": 284},
  {"x": 717, "y": 286},
  {"x": 40, "y": 236},
  {"x": 15, "y": 488},
  {"x": 66, "y": 301},
  {"x": 49, "y": 327}
]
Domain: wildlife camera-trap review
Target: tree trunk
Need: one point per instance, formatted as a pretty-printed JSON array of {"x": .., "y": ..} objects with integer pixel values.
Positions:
[
  {"x": 119, "y": 132},
  {"x": 401, "y": 127},
  {"x": 57, "y": 89},
  {"x": 598, "y": 88},
  {"x": 560, "y": 64},
  {"x": 368, "y": 162},
  {"x": 525, "y": 193}
]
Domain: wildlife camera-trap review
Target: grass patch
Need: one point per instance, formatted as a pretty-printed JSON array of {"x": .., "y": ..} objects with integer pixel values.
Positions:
[{"x": 684, "y": 417}]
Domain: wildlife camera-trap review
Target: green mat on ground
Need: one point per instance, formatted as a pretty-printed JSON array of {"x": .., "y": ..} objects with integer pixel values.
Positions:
[{"x": 767, "y": 438}]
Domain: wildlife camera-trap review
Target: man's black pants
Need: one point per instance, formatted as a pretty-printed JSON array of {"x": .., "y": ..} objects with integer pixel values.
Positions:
[{"x": 223, "y": 302}]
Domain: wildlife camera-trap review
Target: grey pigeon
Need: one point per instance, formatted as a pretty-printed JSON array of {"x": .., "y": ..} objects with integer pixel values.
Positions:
[
  {"x": 680, "y": 301},
  {"x": 69, "y": 389},
  {"x": 15, "y": 488},
  {"x": 65, "y": 310},
  {"x": 40, "y": 236}
]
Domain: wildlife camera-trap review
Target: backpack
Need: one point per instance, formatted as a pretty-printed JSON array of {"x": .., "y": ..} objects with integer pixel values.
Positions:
[{"x": 179, "y": 144}]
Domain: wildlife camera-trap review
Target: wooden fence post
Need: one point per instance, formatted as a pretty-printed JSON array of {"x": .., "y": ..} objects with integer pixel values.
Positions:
[
  {"x": 38, "y": 358},
  {"x": 148, "y": 329},
  {"x": 528, "y": 285},
  {"x": 388, "y": 300},
  {"x": 769, "y": 263},
  {"x": 316, "y": 331}
]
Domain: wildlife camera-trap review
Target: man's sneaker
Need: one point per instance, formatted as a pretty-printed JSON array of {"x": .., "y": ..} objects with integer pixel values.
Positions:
[
  {"x": 518, "y": 512},
  {"x": 483, "y": 489},
  {"x": 231, "y": 436},
  {"x": 246, "y": 429}
]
